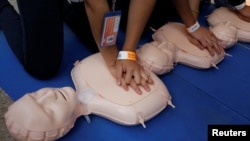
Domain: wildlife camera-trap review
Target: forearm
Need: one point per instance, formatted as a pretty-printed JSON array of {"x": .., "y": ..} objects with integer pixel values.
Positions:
[
  {"x": 185, "y": 12},
  {"x": 95, "y": 10},
  {"x": 139, "y": 13},
  {"x": 195, "y": 5}
]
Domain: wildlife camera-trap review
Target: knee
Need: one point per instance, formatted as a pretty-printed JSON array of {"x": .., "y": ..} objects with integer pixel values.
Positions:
[{"x": 41, "y": 69}]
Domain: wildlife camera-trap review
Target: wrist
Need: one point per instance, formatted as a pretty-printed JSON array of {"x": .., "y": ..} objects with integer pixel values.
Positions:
[
  {"x": 194, "y": 27},
  {"x": 126, "y": 55},
  {"x": 109, "y": 55},
  {"x": 241, "y": 6}
]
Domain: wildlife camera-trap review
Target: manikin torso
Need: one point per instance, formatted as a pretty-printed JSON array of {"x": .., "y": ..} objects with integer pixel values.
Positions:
[
  {"x": 224, "y": 14},
  {"x": 98, "y": 91}
]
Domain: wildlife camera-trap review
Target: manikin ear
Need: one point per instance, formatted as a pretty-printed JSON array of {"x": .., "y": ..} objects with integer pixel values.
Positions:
[
  {"x": 224, "y": 14},
  {"x": 105, "y": 98},
  {"x": 158, "y": 57},
  {"x": 186, "y": 52}
]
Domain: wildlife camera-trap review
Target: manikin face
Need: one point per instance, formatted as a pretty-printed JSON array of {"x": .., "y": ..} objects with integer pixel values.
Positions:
[{"x": 46, "y": 109}]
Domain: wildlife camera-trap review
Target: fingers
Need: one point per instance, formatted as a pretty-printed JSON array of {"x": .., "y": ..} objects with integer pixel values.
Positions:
[
  {"x": 138, "y": 80},
  {"x": 214, "y": 49},
  {"x": 218, "y": 47},
  {"x": 146, "y": 80},
  {"x": 132, "y": 74},
  {"x": 128, "y": 75},
  {"x": 145, "y": 74},
  {"x": 243, "y": 14},
  {"x": 205, "y": 39},
  {"x": 137, "y": 87},
  {"x": 119, "y": 73},
  {"x": 124, "y": 85},
  {"x": 137, "y": 77},
  {"x": 244, "y": 18},
  {"x": 212, "y": 44},
  {"x": 195, "y": 42},
  {"x": 211, "y": 50}
]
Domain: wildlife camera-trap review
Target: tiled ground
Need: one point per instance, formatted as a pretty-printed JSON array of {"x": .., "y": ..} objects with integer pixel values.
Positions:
[{"x": 5, "y": 101}]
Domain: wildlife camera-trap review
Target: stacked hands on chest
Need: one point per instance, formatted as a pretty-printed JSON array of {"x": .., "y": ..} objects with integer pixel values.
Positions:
[{"x": 171, "y": 43}]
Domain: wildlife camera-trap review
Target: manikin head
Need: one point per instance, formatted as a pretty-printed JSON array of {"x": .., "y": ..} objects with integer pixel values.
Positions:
[{"x": 44, "y": 115}]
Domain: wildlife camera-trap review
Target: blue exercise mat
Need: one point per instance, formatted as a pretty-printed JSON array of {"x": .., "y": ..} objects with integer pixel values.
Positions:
[
  {"x": 230, "y": 84},
  {"x": 188, "y": 121}
]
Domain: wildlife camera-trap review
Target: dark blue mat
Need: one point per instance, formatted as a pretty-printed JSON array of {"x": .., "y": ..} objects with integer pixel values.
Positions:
[
  {"x": 188, "y": 121},
  {"x": 201, "y": 97},
  {"x": 230, "y": 84}
]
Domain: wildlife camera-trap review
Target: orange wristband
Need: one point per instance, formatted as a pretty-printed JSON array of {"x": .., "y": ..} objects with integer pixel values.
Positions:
[{"x": 129, "y": 55}]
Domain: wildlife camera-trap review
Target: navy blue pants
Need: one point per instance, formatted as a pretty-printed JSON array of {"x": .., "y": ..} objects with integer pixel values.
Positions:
[{"x": 36, "y": 34}]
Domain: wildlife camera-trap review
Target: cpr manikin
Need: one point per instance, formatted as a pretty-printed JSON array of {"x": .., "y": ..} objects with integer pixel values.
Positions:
[
  {"x": 97, "y": 91},
  {"x": 170, "y": 45},
  {"x": 224, "y": 14},
  {"x": 50, "y": 113}
]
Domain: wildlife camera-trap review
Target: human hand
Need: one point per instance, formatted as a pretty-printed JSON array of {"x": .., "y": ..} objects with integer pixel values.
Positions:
[
  {"x": 205, "y": 39},
  {"x": 244, "y": 13},
  {"x": 130, "y": 73}
]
